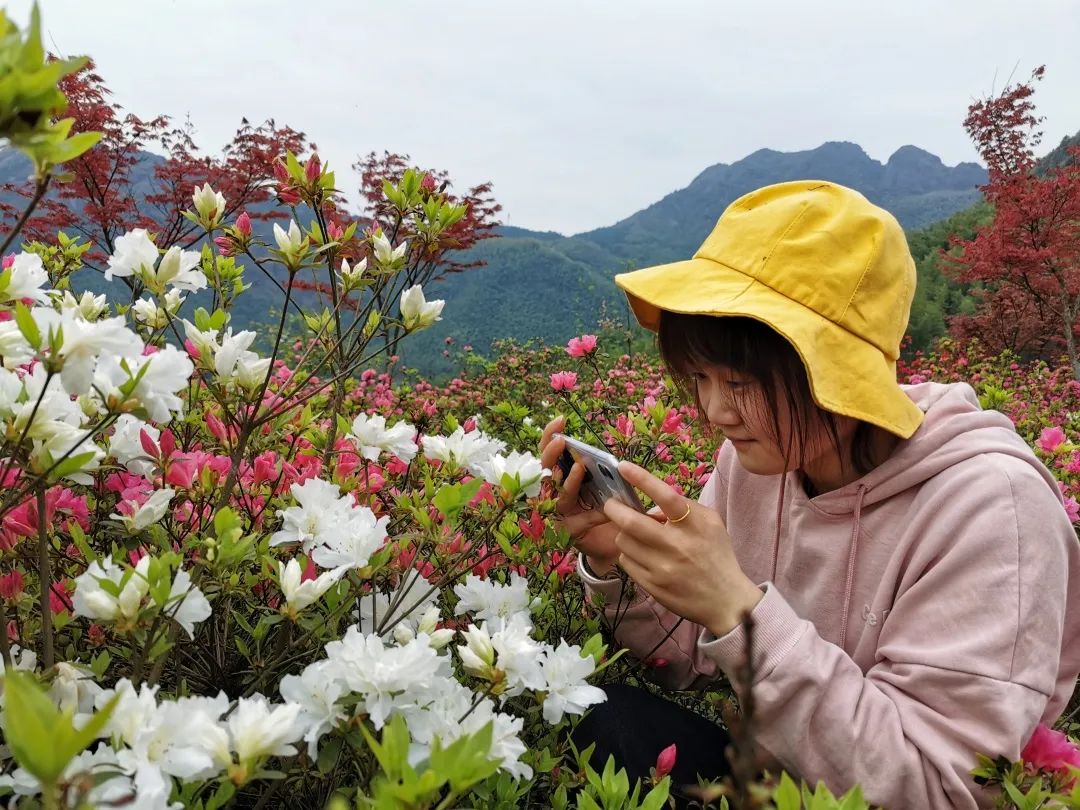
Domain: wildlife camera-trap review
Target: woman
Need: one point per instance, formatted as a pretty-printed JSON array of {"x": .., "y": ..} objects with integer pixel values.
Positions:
[{"x": 908, "y": 564}]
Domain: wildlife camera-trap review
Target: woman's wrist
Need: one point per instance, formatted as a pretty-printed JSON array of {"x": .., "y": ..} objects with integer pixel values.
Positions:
[{"x": 742, "y": 601}]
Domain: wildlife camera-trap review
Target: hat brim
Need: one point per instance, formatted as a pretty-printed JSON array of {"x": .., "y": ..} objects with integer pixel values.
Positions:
[{"x": 847, "y": 375}]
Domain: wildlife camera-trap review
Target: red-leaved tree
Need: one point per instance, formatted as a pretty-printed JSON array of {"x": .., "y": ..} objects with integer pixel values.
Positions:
[
  {"x": 1026, "y": 262},
  {"x": 142, "y": 172}
]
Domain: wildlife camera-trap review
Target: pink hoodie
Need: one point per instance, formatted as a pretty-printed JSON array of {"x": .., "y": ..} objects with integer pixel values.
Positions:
[{"x": 926, "y": 612}]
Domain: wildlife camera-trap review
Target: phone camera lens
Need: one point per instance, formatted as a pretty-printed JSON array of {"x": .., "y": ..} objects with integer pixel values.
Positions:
[{"x": 605, "y": 472}]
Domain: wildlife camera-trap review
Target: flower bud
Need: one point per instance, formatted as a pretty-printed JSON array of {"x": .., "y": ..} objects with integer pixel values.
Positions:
[
  {"x": 243, "y": 224},
  {"x": 313, "y": 168},
  {"x": 665, "y": 761}
]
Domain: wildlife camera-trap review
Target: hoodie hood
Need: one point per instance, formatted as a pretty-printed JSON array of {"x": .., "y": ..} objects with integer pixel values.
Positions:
[{"x": 954, "y": 429}]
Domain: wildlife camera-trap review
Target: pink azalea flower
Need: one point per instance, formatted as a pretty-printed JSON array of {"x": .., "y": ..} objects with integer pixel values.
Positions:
[
  {"x": 564, "y": 381},
  {"x": 563, "y": 563},
  {"x": 581, "y": 346},
  {"x": 1050, "y": 439},
  {"x": 1050, "y": 750},
  {"x": 1072, "y": 509},
  {"x": 533, "y": 528},
  {"x": 11, "y": 585}
]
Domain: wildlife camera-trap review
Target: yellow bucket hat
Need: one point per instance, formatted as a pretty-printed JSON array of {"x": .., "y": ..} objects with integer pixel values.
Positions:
[{"x": 821, "y": 265}]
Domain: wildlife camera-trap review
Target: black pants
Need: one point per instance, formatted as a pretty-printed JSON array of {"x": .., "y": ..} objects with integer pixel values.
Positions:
[{"x": 634, "y": 726}]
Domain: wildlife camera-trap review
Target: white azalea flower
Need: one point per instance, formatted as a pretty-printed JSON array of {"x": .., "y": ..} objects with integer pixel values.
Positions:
[
  {"x": 373, "y": 436},
  {"x": 416, "y": 311},
  {"x": 205, "y": 342},
  {"x": 387, "y": 676},
  {"x": 446, "y": 712},
  {"x": 25, "y": 277},
  {"x": 258, "y": 729},
  {"x": 233, "y": 361},
  {"x": 125, "y": 444},
  {"x": 566, "y": 691},
  {"x": 331, "y": 528},
  {"x": 13, "y": 346},
  {"x": 477, "y": 654},
  {"x": 299, "y": 595},
  {"x": 384, "y": 253},
  {"x": 180, "y": 738},
  {"x": 251, "y": 370},
  {"x": 229, "y": 351},
  {"x": 525, "y": 468},
  {"x": 316, "y": 690},
  {"x": 320, "y": 516},
  {"x": 87, "y": 306},
  {"x": 134, "y": 253},
  {"x": 493, "y": 601},
  {"x": 351, "y": 276},
  {"x": 168, "y": 373},
  {"x": 352, "y": 547},
  {"x": 152, "y": 510},
  {"x": 94, "y": 602},
  {"x": 84, "y": 342},
  {"x": 518, "y": 655},
  {"x": 179, "y": 269},
  {"x": 209, "y": 204},
  {"x": 110, "y": 787},
  {"x": 429, "y": 626},
  {"x": 11, "y": 388},
  {"x": 146, "y": 311},
  {"x": 45, "y": 402},
  {"x": 470, "y": 450},
  {"x": 187, "y": 604},
  {"x": 291, "y": 241},
  {"x": 73, "y": 688},
  {"x": 62, "y": 440}
]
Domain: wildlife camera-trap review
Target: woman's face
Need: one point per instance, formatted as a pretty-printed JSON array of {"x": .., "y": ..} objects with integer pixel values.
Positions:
[{"x": 736, "y": 404}]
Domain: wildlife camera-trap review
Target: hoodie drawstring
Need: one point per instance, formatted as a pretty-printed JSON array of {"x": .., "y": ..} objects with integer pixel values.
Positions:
[
  {"x": 851, "y": 562},
  {"x": 779, "y": 521}
]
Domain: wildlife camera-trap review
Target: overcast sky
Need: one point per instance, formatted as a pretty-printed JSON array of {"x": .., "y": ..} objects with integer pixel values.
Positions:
[{"x": 580, "y": 113}]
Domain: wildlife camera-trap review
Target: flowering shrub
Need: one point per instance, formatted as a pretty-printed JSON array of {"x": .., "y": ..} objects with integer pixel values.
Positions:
[{"x": 233, "y": 578}]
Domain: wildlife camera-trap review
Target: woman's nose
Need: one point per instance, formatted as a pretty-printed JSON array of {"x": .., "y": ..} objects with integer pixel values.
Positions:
[{"x": 721, "y": 411}]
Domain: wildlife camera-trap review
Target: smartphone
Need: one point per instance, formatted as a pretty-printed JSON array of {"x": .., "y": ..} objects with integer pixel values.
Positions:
[{"x": 602, "y": 480}]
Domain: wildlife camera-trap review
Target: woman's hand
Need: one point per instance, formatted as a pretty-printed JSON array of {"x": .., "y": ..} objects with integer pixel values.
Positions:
[
  {"x": 593, "y": 533},
  {"x": 686, "y": 563}
]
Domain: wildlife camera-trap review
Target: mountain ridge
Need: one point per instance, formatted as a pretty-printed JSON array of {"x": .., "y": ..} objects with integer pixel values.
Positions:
[{"x": 544, "y": 285}]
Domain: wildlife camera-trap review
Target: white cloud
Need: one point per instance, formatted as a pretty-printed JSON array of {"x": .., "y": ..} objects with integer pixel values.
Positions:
[{"x": 579, "y": 113}]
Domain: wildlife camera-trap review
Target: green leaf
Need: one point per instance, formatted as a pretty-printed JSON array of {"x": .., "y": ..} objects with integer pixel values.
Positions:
[
  {"x": 452, "y": 498},
  {"x": 786, "y": 796},
  {"x": 70, "y": 465},
  {"x": 658, "y": 796},
  {"x": 73, "y": 147},
  {"x": 328, "y": 754},
  {"x": 226, "y": 790},
  {"x": 27, "y": 326},
  {"x": 31, "y": 723},
  {"x": 99, "y": 664}
]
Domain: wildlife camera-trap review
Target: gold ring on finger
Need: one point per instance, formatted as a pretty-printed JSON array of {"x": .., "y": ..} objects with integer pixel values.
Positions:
[{"x": 682, "y": 517}]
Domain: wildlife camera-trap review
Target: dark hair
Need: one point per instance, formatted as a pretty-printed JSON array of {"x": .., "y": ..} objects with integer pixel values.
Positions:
[{"x": 752, "y": 348}]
